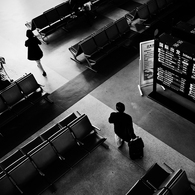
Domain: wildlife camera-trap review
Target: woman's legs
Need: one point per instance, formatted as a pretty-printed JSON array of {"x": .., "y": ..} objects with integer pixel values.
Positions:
[
  {"x": 41, "y": 67},
  {"x": 119, "y": 141}
]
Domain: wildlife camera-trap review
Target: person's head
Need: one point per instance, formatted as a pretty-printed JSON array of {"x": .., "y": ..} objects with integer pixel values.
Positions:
[
  {"x": 120, "y": 107},
  {"x": 29, "y": 33}
]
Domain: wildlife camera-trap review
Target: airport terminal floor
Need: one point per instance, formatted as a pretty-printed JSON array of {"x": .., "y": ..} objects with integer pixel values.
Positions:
[{"x": 168, "y": 137}]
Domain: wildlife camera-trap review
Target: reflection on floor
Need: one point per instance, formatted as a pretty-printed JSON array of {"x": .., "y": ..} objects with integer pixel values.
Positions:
[{"x": 168, "y": 137}]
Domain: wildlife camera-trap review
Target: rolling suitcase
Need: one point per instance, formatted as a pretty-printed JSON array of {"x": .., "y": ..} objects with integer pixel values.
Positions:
[{"x": 136, "y": 148}]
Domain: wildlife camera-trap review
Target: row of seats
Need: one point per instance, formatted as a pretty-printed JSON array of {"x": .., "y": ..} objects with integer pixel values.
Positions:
[
  {"x": 155, "y": 10},
  {"x": 38, "y": 164},
  {"x": 104, "y": 41},
  {"x": 157, "y": 181},
  {"x": 52, "y": 19},
  {"x": 156, "y": 15},
  {"x": 19, "y": 96},
  {"x": 56, "y": 17}
]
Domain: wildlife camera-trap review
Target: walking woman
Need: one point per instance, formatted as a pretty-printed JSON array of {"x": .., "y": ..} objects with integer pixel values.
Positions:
[{"x": 34, "y": 51}]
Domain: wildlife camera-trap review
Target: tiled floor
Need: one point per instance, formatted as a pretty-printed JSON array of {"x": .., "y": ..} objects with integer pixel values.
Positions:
[{"x": 168, "y": 137}]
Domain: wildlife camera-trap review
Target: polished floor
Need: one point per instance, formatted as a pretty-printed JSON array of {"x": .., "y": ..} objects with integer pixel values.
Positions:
[{"x": 168, "y": 137}]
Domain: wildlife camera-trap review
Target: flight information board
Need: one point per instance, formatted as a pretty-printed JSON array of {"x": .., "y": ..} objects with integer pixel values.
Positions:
[{"x": 174, "y": 64}]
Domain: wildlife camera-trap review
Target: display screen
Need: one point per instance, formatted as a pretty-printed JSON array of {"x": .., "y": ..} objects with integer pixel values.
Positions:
[{"x": 175, "y": 65}]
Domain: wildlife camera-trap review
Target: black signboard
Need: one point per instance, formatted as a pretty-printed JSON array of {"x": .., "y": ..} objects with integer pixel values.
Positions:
[{"x": 174, "y": 65}]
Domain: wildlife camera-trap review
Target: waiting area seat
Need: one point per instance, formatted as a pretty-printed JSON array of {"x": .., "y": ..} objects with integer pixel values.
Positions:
[
  {"x": 103, "y": 42},
  {"x": 19, "y": 96},
  {"x": 59, "y": 16},
  {"x": 38, "y": 164},
  {"x": 153, "y": 12},
  {"x": 52, "y": 19},
  {"x": 27, "y": 178},
  {"x": 155, "y": 176},
  {"x": 157, "y": 181},
  {"x": 92, "y": 52},
  {"x": 7, "y": 185}
]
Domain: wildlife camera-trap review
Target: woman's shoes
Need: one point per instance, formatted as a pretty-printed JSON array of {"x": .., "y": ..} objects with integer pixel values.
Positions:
[
  {"x": 44, "y": 74},
  {"x": 122, "y": 142}
]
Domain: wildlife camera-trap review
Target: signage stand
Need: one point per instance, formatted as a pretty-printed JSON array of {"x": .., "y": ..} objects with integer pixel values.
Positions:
[{"x": 146, "y": 64}]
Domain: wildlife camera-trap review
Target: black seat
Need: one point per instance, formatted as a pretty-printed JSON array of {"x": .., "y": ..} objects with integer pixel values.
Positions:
[
  {"x": 42, "y": 25},
  {"x": 152, "y": 7},
  {"x": 32, "y": 145},
  {"x": 12, "y": 160},
  {"x": 12, "y": 95},
  {"x": 27, "y": 178},
  {"x": 122, "y": 26},
  {"x": 68, "y": 119},
  {"x": 32, "y": 89},
  {"x": 143, "y": 12},
  {"x": 64, "y": 10},
  {"x": 76, "y": 51},
  {"x": 50, "y": 132},
  {"x": 49, "y": 163},
  {"x": 55, "y": 19},
  {"x": 155, "y": 176},
  {"x": 91, "y": 51},
  {"x": 102, "y": 41},
  {"x": 161, "y": 4},
  {"x": 124, "y": 30},
  {"x": 3, "y": 105},
  {"x": 113, "y": 34},
  {"x": 67, "y": 148},
  {"x": 7, "y": 186},
  {"x": 86, "y": 134},
  {"x": 5, "y": 114},
  {"x": 52, "y": 16},
  {"x": 140, "y": 188}
]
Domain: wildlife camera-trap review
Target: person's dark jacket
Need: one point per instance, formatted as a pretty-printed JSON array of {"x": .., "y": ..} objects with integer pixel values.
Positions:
[
  {"x": 123, "y": 125},
  {"x": 34, "y": 51}
]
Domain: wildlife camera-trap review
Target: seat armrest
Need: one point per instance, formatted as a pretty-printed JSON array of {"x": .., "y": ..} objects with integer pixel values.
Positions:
[
  {"x": 72, "y": 49},
  {"x": 171, "y": 178},
  {"x": 96, "y": 128},
  {"x": 191, "y": 183},
  {"x": 87, "y": 55},
  {"x": 79, "y": 142}
]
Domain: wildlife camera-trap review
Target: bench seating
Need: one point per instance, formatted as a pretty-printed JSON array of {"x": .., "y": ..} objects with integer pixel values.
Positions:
[
  {"x": 86, "y": 134},
  {"x": 27, "y": 178},
  {"x": 7, "y": 185},
  {"x": 53, "y": 19},
  {"x": 155, "y": 11},
  {"x": 103, "y": 42},
  {"x": 19, "y": 96},
  {"x": 59, "y": 17},
  {"x": 157, "y": 181},
  {"x": 76, "y": 50},
  {"x": 57, "y": 128},
  {"x": 36, "y": 166}
]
